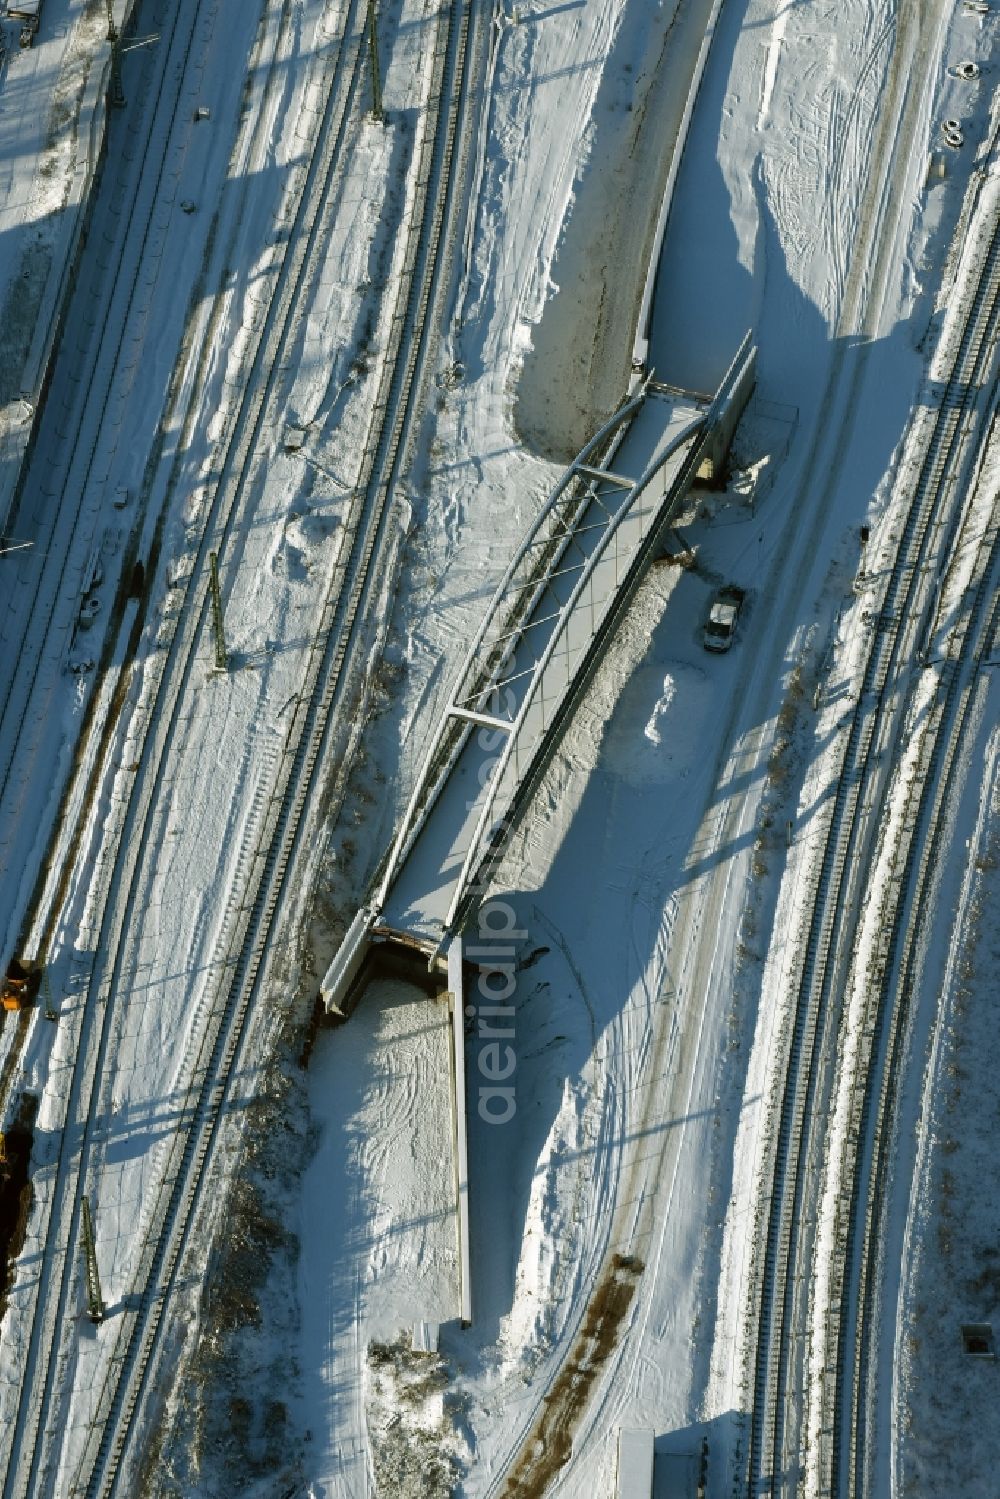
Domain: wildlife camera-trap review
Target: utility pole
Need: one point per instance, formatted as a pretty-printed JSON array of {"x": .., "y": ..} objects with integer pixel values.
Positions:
[
  {"x": 117, "y": 92},
  {"x": 373, "y": 57},
  {"x": 95, "y": 1302},
  {"x": 220, "y": 639}
]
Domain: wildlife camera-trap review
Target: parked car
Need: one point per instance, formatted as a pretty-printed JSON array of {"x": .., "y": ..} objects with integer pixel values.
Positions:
[{"x": 720, "y": 628}]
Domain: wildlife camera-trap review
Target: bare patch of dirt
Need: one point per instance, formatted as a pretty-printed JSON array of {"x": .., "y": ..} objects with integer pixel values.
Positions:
[{"x": 550, "y": 1441}]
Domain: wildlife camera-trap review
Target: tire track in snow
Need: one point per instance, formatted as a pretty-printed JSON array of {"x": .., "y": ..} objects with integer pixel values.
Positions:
[{"x": 845, "y": 136}]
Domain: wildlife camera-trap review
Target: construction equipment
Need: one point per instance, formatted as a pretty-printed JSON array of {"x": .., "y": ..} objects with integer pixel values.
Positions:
[{"x": 20, "y": 983}]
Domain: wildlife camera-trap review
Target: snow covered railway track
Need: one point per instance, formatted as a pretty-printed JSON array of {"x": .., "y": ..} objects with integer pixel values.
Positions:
[
  {"x": 782, "y": 1273},
  {"x": 128, "y": 830},
  {"x": 80, "y": 446},
  {"x": 267, "y": 862},
  {"x": 861, "y": 1177}
]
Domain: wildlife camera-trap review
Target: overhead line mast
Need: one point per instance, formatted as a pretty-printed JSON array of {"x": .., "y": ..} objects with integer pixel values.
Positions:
[
  {"x": 117, "y": 93},
  {"x": 373, "y": 57}
]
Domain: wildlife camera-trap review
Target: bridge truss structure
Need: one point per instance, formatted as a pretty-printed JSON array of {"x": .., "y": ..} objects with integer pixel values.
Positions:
[{"x": 558, "y": 604}]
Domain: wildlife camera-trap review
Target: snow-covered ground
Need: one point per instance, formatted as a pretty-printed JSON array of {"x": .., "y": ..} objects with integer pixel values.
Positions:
[
  {"x": 236, "y": 179},
  {"x": 646, "y": 874},
  {"x": 52, "y": 118},
  {"x": 847, "y": 356},
  {"x": 945, "y": 1441},
  {"x": 377, "y": 1221}
]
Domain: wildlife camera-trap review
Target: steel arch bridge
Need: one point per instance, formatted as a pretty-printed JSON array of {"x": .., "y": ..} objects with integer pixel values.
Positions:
[{"x": 562, "y": 596}]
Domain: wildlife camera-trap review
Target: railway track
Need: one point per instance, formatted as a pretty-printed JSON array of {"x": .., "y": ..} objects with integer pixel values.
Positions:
[
  {"x": 103, "y": 709},
  {"x": 864, "y": 1172},
  {"x": 102, "y": 712},
  {"x": 22, "y": 1453},
  {"x": 267, "y": 857},
  {"x": 271, "y": 860},
  {"x": 783, "y": 1272},
  {"x": 100, "y": 378}
]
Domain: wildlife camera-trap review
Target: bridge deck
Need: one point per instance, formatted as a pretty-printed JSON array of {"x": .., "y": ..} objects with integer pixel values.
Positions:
[{"x": 507, "y": 719}]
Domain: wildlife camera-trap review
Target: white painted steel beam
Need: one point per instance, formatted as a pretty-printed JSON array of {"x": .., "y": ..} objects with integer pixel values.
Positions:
[
  {"x": 604, "y": 475},
  {"x": 485, "y": 720}
]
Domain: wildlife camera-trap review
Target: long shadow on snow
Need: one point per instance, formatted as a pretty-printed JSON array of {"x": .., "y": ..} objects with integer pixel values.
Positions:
[{"x": 628, "y": 854}]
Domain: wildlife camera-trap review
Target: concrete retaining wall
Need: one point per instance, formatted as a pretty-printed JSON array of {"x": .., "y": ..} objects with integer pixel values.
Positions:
[
  {"x": 456, "y": 986},
  {"x": 640, "y": 351},
  {"x": 732, "y": 401}
]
